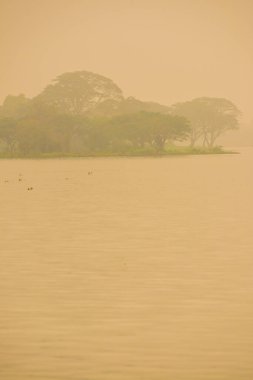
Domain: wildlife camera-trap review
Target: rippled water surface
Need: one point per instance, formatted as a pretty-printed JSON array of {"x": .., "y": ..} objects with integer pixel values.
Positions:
[{"x": 142, "y": 270}]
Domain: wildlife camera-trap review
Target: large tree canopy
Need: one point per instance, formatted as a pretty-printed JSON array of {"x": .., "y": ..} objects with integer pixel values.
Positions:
[
  {"x": 209, "y": 118},
  {"x": 78, "y": 92}
]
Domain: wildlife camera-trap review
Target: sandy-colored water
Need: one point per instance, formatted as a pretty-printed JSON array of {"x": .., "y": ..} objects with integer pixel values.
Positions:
[{"x": 142, "y": 270}]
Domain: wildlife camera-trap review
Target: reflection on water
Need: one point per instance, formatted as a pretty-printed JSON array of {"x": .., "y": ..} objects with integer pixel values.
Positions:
[{"x": 141, "y": 270}]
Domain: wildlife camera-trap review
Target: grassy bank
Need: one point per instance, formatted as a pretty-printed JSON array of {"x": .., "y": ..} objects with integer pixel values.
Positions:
[{"x": 183, "y": 150}]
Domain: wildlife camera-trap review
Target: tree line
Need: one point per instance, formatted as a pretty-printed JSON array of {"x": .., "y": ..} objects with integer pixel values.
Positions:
[{"x": 86, "y": 113}]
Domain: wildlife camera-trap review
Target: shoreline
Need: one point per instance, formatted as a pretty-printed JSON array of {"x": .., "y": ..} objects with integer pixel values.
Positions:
[{"x": 173, "y": 152}]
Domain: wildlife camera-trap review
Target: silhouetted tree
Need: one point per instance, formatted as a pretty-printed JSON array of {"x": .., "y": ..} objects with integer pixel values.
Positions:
[
  {"x": 164, "y": 128},
  {"x": 209, "y": 118},
  {"x": 78, "y": 92}
]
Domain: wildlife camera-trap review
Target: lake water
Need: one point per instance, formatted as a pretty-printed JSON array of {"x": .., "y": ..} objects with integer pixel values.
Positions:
[{"x": 142, "y": 270}]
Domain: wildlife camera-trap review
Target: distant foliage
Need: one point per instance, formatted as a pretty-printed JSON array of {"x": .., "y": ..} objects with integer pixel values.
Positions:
[
  {"x": 79, "y": 92},
  {"x": 14, "y": 106},
  {"x": 85, "y": 113},
  {"x": 209, "y": 118},
  {"x": 126, "y": 106},
  {"x": 149, "y": 128},
  {"x": 44, "y": 133}
]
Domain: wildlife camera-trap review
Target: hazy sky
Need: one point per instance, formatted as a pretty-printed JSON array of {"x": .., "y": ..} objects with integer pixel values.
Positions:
[{"x": 160, "y": 50}]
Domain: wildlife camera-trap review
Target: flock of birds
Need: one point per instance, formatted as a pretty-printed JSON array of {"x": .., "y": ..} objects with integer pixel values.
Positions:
[
  {"x": 20, "y": 179},
  {"x": 30, "y": 188}
]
